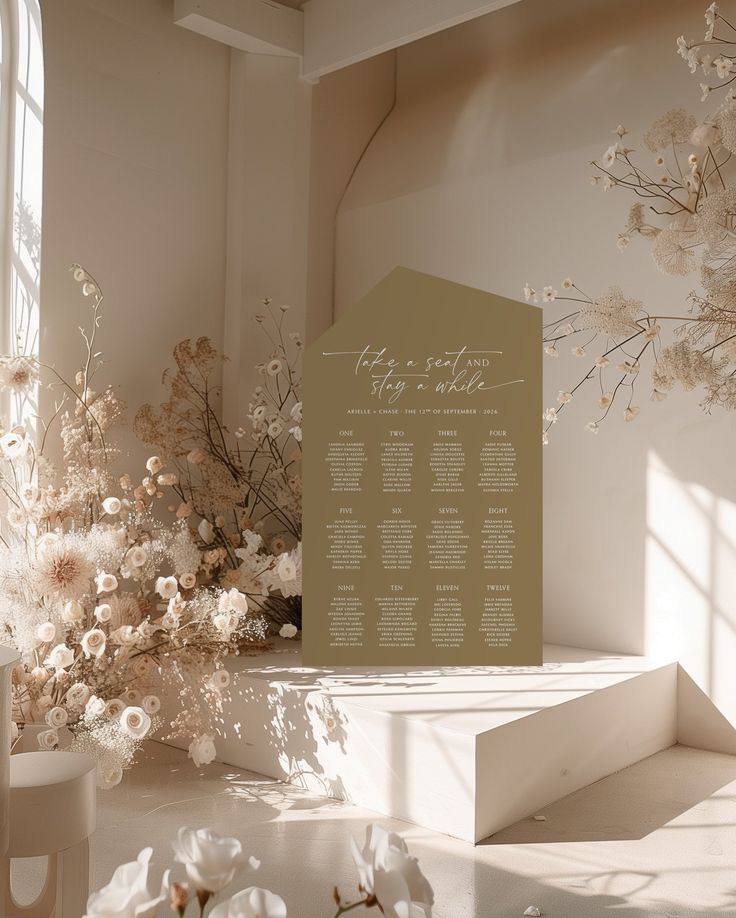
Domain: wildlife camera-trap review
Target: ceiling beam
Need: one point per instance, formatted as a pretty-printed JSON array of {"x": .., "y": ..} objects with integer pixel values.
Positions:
[
  {"x": 338, "y": 33},
  {"x": 258, "y": 26}
]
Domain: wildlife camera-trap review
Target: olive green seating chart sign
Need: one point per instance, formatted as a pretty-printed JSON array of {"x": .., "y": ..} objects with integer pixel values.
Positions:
[{"x": 423, "y": 480}]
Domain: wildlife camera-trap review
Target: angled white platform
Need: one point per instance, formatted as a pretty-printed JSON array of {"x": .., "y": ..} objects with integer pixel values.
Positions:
[{"x": 464, "y": 751}]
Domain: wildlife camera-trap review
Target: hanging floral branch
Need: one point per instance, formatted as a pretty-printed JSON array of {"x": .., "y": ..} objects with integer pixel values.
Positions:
[{"x": 686, "y": 211}]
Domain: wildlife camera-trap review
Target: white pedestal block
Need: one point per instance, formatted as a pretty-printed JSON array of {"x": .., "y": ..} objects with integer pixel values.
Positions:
[{"x": 463, "y": 751}]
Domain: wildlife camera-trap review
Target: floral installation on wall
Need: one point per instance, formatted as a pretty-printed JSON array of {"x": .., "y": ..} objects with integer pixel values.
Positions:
[
  {"x": 389, "y": 880},
  {"x": 243, "y": 489},
  {"x": 686, "y": 212},
  {"x": 111, "y": 608}
]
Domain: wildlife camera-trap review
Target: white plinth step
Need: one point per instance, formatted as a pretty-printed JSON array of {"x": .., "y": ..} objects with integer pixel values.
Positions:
[{"x": 463, "y": 751}]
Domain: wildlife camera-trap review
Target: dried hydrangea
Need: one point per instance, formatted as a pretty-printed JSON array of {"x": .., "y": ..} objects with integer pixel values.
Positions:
[
  {"x": 716, "y": 217},
  {"x": 611, "y": 314},
  {"x": 682, "y": 364},
  {"x": 672, "y": 251},
  {"x": 675, "y": 126}
]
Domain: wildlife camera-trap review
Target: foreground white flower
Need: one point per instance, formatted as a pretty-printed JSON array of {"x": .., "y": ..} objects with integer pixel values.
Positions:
[
  {"x": 288, "y": 630},
  {"x": 251, "y": 903},
  {"x": 388, "y": 872},
  {"x": 127, "y": 894},
  {"x": 210, "y": 859}
]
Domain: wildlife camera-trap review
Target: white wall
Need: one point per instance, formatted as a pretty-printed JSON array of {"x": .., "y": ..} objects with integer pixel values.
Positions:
[
  {"x": 135, "y": 152},
  {"x": 480, "y": 176}
]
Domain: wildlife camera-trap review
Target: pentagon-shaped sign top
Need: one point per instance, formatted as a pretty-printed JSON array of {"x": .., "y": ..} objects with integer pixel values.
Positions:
[{"x": 423, "y": 480}]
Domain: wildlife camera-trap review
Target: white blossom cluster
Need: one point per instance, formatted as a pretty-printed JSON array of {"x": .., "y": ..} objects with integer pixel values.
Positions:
[
  {"x": 389, "y": 880},
  {"x": 685, "y": 209}
]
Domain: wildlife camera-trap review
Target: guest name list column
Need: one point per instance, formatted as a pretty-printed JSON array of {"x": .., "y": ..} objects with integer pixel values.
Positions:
[{"x": 422, "y": 480}]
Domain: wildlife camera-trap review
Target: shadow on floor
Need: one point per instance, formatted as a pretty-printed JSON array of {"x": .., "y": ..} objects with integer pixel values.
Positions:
[{"x": 630, "y": 804}]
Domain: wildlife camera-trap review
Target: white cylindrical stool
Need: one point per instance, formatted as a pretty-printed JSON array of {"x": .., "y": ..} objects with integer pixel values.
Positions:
[{"x": 52, "y": 812}]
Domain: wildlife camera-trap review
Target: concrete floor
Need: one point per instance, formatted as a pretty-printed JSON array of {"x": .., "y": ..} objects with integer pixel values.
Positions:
[{"x": 656, "y": 839}]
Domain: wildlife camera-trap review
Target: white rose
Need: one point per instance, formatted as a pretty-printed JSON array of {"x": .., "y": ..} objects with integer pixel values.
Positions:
[
  {"x": 219, "y": 680},
  {"x": 93, "y": 643},
  {"x": 103, "y": 612},
  {"x": 46, "y": 632},
  {"x": 288, "y": 631},
  {"x": 196, "y": 457},
  {"x": 127, "y": 894},
  {"x": 167, "y": 587},
  {"x": 202, "y": 750},
  {"x": 211, "y": 860},
  {"x": 111, "y": 506},
  {"x": 14, "y": 443},
  {"x": 47, "y": 740},
  {"x": 206, "y": 532},
  {"x": 73, "y": 611},
  {"x": 151, "y": 704},
  {"x": 187, "y": 581},
  {"x": 114, "y": 707},
  {"x": 167, "y": 480},
  {"x": 106, "y": 583},
  {"x": 135, "y": 722},
  {"x": 137, "y": 556},
  {"x": 60, "y": 657},
  {"x": 78, "y": 695},
  {"x": 251, "y": 903},
  {"x": 296, "y": 412},
  {"x": 388, "y": 872},
  {"x": 184, "y": 510},
  {"x": 233, "y": 601},
  {"x": 56, "y": 717}
]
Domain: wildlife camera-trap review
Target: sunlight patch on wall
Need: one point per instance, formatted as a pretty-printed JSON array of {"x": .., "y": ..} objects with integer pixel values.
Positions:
[{"x": 690, "y": 598}]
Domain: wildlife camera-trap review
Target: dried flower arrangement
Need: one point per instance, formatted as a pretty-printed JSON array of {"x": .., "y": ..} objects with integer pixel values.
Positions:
[
  {"x": 687, "y": 212},
  {"x": 244, "y": 489},
  {"x": 110, "y": 608},
  {"x": 389, "y": 880}
]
